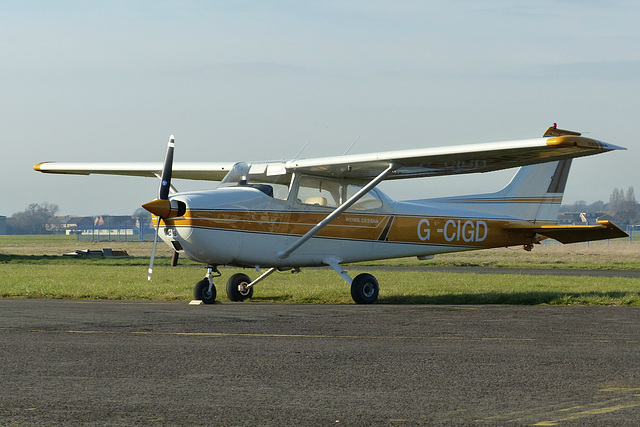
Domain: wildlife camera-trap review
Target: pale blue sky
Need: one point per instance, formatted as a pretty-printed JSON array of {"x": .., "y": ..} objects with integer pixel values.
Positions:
[{"x": 247, "y": 80}]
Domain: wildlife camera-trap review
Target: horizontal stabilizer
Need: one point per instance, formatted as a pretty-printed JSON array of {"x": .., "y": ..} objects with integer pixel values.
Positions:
[{"x": 572, "y": 233}]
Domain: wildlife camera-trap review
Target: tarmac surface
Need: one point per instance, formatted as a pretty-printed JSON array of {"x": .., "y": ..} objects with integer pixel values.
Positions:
[{"x": 169, "y": 363}]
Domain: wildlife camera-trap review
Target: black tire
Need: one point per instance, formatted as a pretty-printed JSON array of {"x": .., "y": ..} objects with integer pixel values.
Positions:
[
  {"x": 364, "y": 289},
  {"x": 201, "y": 292},
  {"x": 234, "y": 293}
]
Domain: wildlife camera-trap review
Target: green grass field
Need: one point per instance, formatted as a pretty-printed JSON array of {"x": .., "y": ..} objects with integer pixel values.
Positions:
[{"x": 32, "y": 267}]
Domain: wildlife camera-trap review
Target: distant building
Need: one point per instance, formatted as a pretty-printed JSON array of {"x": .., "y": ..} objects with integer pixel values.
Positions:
[
  {"x": 567, "y": 218},
  {"x": 100, "y": 227},
  {"x": 121, "y": 225},
  {"x": 3, "y": 225},
  {"x": 68, "y": 224},
  {"x": 582, "y": 218},
  {"x": 590, "y": 218}
]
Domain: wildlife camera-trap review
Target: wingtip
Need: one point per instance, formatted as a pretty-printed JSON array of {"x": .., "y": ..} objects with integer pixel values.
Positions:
[
  {"x": 581, "y": 142},
  {"x": 38, "y": 167}
]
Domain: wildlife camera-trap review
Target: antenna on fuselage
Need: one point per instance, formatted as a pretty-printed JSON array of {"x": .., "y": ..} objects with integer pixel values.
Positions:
[
  {"x": 301, "y": 150},
  {"x": 351, "y": 146}
]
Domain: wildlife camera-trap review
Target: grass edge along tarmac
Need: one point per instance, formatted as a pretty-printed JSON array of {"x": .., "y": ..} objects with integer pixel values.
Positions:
[
  {"x": 618, "y": 254},
  {"x": 31, "y": 267},
  {"x": 95, "y": 281}
]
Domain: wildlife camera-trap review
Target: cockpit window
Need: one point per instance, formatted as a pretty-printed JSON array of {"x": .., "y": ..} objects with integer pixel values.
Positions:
[
  {"x": 371, "y": 200},
  {"x": 319, "y": 191}
]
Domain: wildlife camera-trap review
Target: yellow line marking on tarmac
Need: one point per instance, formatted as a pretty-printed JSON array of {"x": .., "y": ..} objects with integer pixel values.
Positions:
[
  {"x": 620, "y": 389},
  {"x": 573, "y": 408},
  {"x": 275, "y": 335},
  {"x": 267, "y": 335},
  {"x": 554, "y": 414},
  {"x": 583, "y": 414}
]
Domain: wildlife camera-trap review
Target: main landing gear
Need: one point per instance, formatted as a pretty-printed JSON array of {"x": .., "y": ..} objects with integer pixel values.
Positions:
[
  {"x": 237, "y": 289},
  {"x": 364, "y": 287}
]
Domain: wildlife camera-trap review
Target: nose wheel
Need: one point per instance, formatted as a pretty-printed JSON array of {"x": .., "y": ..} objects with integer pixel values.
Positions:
[{"x": 205, "y": 290}]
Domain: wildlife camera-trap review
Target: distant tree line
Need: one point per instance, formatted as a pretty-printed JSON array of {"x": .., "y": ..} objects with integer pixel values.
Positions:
[
  {"x": 32, "y": 220},
  {"x": 622, "y": 206}
]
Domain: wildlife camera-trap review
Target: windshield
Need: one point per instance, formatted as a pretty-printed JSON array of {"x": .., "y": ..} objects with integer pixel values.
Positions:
[{"x": 276, "y": 186}]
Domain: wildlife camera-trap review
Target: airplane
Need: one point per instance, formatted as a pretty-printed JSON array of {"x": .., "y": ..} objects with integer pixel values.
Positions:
[{"x": 287, "y": 215}]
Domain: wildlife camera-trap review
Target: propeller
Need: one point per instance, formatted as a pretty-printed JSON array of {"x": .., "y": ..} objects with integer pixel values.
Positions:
[{"x": 161, "y": 207}]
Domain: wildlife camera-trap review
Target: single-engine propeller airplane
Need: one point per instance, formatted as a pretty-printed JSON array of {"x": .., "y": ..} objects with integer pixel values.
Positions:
[{"x": 285, "y": 215}]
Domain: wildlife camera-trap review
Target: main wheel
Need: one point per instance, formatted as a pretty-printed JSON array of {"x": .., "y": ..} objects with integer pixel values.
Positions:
[
  {"x": 364, "y": 289},
  {"x": 201, "y": 292},
  {"x": 237, "y": 287}
]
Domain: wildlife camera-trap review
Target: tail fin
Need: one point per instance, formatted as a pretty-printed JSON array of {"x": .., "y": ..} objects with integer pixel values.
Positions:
[{"x": 534, "y": 194}]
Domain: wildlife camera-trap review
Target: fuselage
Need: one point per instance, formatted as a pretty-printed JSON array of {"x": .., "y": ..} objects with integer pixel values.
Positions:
[{"x": 248, "y": 226}]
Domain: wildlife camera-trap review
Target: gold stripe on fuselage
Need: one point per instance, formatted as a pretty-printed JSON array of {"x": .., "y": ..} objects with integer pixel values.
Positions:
[
  {"x": 470, "y": 232},
  {"x": 508, "y": 200}
]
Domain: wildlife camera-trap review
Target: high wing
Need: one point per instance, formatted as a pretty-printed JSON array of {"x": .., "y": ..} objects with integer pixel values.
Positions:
[
  {"x": 186, "y": 170},
  {"x": 451, "y": 160}
]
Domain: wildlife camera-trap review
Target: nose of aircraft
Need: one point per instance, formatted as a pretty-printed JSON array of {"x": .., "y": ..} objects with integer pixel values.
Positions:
[
  {"x": 166, "y": 209},
  {"x": 159, "y": 207}
]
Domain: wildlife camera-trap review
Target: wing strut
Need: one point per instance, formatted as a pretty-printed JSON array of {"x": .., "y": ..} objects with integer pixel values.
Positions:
[{"x": 333, "y": 215}]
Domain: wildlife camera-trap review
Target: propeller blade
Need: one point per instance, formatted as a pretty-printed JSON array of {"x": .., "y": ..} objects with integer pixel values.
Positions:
[
  {"x": 153, "y": 251},
  {"x": 167, "y": 168},
  {"x": 163, "y": 194}
]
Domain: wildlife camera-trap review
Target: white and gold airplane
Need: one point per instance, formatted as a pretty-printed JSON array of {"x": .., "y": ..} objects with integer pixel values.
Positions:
[{"x": 285, "y": 215}]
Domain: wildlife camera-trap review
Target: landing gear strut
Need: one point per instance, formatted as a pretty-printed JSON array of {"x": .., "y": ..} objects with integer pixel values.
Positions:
[{"x": 364, "y": 287}]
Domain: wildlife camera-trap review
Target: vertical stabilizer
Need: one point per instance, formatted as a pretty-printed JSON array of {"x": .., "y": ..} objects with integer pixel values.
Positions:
[{"x": 534, "y": 194}]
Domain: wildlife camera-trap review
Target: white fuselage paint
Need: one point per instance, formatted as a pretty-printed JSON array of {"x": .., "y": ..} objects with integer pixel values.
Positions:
[{"x": 242, "y": 246}]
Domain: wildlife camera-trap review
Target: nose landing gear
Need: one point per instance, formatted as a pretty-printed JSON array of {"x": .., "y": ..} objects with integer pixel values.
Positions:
[{"x": 205, "y": 290}]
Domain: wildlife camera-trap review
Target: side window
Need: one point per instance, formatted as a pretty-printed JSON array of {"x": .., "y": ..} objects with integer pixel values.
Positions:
[
  {"x": 319, "y": 191},
  {"x": 368, "y": 201}
]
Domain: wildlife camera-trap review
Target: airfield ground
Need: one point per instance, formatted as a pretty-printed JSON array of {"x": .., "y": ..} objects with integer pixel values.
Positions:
[
  {"x": 82, "y": 361},
  {"x": 168, "y": 363}
]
